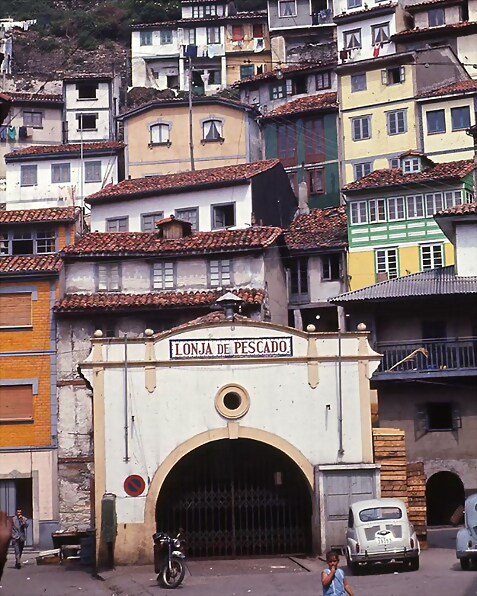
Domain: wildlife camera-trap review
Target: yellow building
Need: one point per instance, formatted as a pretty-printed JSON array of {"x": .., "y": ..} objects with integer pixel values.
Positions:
[
  {"x": 379, "y": 115},
  {"x": 29, "y": 286},
  {"x": 224, "y": 133}
]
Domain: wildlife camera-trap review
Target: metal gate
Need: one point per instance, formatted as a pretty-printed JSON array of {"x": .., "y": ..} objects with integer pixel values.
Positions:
[{"x": 237, "y": 498}]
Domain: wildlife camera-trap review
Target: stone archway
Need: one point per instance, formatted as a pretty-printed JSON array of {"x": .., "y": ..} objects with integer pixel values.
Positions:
[{"x": 444, "y": 493}]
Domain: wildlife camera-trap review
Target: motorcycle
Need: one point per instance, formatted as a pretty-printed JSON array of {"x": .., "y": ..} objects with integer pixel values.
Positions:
[{"x": 169, "y": 560}]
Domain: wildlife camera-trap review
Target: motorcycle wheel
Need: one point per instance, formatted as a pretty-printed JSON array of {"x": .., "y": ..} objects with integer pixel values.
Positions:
[{"x": 172, "y": 577}]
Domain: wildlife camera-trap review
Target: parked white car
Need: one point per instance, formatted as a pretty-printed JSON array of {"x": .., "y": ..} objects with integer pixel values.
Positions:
[
  {"x": 379, "y": 531},
  {"x": 466, "y": 545}
]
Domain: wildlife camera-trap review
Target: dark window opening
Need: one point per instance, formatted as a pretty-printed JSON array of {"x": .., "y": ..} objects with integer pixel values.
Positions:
[
  {"x": 22, "y": 243},
  {"x": 331, "y": 267},
  {"x": 86, "y": 121},
  {"x": 299, "y": 85},
  {"x": 395, "y": 75},
  {"x": 440, "y": 416},
  {"x": 299, "y": 276},
  {"x": 87, "y": 90},
  {"x": 223, "y": 216},
  {"x": 434, "y": 330}
]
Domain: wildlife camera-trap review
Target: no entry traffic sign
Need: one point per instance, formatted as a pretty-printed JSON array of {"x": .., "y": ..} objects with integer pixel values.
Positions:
[{"x": 134, "y": 485}]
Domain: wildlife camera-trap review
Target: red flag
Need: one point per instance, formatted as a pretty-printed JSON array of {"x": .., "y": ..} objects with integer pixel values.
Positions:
[{"x": 377, "y": 47}]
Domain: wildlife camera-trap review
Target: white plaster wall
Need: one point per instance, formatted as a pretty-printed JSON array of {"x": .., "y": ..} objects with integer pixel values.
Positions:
[
  {"x": 467, "y": 50},
  {"x": 47, "y": 194},
  {"x": 282, "y": 403},
  {"x": 465, "y": 469},
  {"x": 320, "y": 290},
  {"x": 466, "y": 249},
  {"x": 240, "y": 194},
  {"x": 101, "y": 106},
  {"x": 367, "y": 45}
]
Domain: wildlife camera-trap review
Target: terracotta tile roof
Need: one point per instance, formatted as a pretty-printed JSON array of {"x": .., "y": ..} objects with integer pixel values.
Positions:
[
  {"x": 63, "y": 149},
  {"x": 30, "y": 264},
  {"x": 183, "y": 181},
  {"x": 82, "y": 76},
  {"x": 431, "y": 3},
  {"x": 309, "y": 103},
  {"x": 56, "y": 214},
  {"x": 124, "y": 244},
  {"x": 469, "y": 85},
  {"x": 286, "y": 70},
  {"x": 240, "y": 16},
  {"x": 364, "y": 11},
  {"x": 454, "y": 170},
  {"x": 435, "y": 282},
  {"x": 103, "y": 301},
  {"x": 320, "y": 229},
  {"x": 464, "y": 209},
  {"x": 457, "y": 27},
  {"x": 216, "y": 316},
  {"x": 33, "y": 97}
]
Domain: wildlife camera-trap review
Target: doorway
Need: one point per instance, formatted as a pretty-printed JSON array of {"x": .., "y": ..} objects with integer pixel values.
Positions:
[
  {"x": 17, "y": 494},
  {"x": 444, "y": 493},
  {"x": 237, "y": 498}
]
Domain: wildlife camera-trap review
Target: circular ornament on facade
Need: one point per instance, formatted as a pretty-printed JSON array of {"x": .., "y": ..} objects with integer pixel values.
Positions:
[
  {"x": 232, "y": 401},
  {"x": 134, "y": 485}
]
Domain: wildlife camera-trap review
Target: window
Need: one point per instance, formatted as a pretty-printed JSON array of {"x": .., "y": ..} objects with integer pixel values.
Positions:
[
  {"x": 393, "y": 75},
  {"x": 296, "y": 86},
  {"x": 86, "y": 121},
  {"x": 358, "y": 82},
  {"x": 453, "y": 198},
  {"x": 377, "y": 210},
  {"x": 316, "y": 182},
  {"x": 237, "y": 33},
  {"x": 380, "y": 33},
  {"x": 397, "y": 122},
  {"x": 117, "y": 224},
  {"x": 434, "y": 203},
  {"x": 286, "y": 8},
  {"x": 15, "y": 310},
  {"x": 352, "y": 39},
  {"x": 16, "y": 402},
  {"x": 163, "y": 276},
  {"x": 362, "y": 169},
  {"x": 277, "y": 90},
  {"x": 436, "y": 121},
  {"x": 410, "y": 165},
  {"x": 28, "y": 242},
  {"x": 323, "y": 80},
  {"x": 299, "y": 277},
  {"x": 415, "y": 206},
  {"x": 223, "y": 216},
  {"x": 361, "y": 128},
  {"x": 189, "y": 37},
  {"x": 257, "y": 31},
  {"x": 432, "y": 256},
  {"x": 92, "y": 171},
  {"x": 394, "y": 163},
  {"x": 197, "y": 12},
  {"x": 386, "y": 263},
  {"x": 212, "y": 130},
  {"x": 28, "y": 175},
  {"x": 145, "y": 38},
  {"x": 190, "y": 215},
  {"x": 22, "y": 242},
  {"x": 213, "y": 34},
  {"x": 210, "y": 10},
  {"x": 109, "y": 277},
  {"x": 149, "y": 220},
  {"x": 359, "y": 212},
  {"x": 286, "y": 143},
  {"x": 247, "y": 70},
  {"x": 439, "y": 417},
  {"x": 355, "y": 3},
  {"x": 460, "y": 118},
  {"x": 436, "y": 17},
  {"x": 160, "y": 134},
  {"x": 60, "y": 172},
  {"x": 45, "y": 242},
  {"x": 314, "y": 139},
  {"x": 87, "y": 90},
  {"x": 34, "y": 119},
  {"x": 219, "y": 273},
  {"x": 166, "y": 36},
  {"x": 331, "y": 267},
  {"x": 395, "y": 208}
]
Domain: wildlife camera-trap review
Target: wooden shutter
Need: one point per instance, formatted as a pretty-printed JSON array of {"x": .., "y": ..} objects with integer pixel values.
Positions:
[
  {"x": 15, "y": 310},
  {"x": 16, "y": 402}
]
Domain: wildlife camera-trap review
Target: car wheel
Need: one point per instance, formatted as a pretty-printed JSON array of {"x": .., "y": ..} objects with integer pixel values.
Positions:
[
  {"x": 465, "y": 563},
  {"x": 414, "y": 563}
]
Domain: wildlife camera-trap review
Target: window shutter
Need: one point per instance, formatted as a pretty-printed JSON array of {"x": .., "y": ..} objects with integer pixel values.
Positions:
[
  {"x": 102, "y": 277},
  {"x": 403, "y": 74},
  {"x": 15, "y": 310},
  {"x": 384, "y": 76},
  {"x": 289, "y": 85},
  {"x": 421, "y": 422},
  {"x": 16, "y": 402}
]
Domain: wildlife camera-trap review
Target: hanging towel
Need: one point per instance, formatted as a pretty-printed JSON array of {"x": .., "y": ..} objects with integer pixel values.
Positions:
[
  {"x": 211, "y": 50},
  {"x": 12, "y": 133},
  {"x": 258, "y": 44},
  {"x": 3, "y": 134},
  {"x": 22, "y": 132}
]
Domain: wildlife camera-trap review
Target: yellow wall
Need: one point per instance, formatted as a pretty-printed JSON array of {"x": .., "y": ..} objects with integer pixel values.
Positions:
[
  {"x": 36, "y": 339},
  {"x": 235, "y": 62},
  {"x": 247, "y": 44},
  {"x": 361, "y": 265},
  {"x": 143, "y": 159},
  {"x": 450, "y": 140}
]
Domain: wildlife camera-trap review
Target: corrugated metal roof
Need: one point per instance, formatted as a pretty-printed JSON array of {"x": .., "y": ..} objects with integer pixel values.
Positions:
[{"x": 436, "y": 282}]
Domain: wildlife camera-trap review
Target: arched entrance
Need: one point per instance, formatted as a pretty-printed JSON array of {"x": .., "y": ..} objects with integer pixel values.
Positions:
[
  {"x": 444, "y": 493},
  {"x": 237, "y": 498}
]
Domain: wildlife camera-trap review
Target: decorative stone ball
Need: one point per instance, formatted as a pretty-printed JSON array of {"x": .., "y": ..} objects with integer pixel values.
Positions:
[
  {"x": 310, "y": 328},
  {"x": 149, "y": 332},
  {"x": 362, "y": 327},
  {"x": 98, "y": 333}
]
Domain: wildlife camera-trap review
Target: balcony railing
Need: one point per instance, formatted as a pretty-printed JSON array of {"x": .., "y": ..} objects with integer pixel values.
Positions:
[{"x": 429, "y": 356}]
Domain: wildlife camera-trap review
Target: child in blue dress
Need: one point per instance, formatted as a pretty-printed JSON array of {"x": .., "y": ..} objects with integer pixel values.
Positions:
[{"x": 333, "y": 579}]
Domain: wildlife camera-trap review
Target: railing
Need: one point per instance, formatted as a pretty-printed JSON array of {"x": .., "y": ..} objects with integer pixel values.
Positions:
[{"x": 428, "y": 355}]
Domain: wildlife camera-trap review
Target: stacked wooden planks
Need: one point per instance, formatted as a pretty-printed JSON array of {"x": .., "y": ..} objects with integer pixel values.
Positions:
[
  {"x": 416, "y": 493},
  {"x": 390, "y": 454}
]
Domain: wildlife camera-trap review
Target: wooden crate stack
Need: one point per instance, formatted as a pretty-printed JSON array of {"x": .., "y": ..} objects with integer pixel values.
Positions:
[{"x": 399, "y": 479}]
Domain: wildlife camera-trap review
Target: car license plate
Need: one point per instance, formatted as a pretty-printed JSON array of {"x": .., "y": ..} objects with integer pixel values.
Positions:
[{"x": 383, "y": 539}]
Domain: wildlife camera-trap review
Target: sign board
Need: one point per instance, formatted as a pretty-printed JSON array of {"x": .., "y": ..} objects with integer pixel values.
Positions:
[
  {"x": 239, "y": 347},
  {"x": 134, "y": 485}
]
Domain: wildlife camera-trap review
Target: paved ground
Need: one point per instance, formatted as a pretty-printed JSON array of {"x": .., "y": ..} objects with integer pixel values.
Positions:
[{"x": 439, "y": 575}]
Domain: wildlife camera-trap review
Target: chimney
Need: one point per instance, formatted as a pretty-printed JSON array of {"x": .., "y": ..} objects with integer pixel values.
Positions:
[
  {"x": 303, "y": 207},
  {"x": 171, "y": 228}
]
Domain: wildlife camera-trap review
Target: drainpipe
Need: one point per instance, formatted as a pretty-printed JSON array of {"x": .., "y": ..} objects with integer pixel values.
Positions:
[
  {"x": 126, "y": 427},
  {"x": 340, "y": 395}
]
